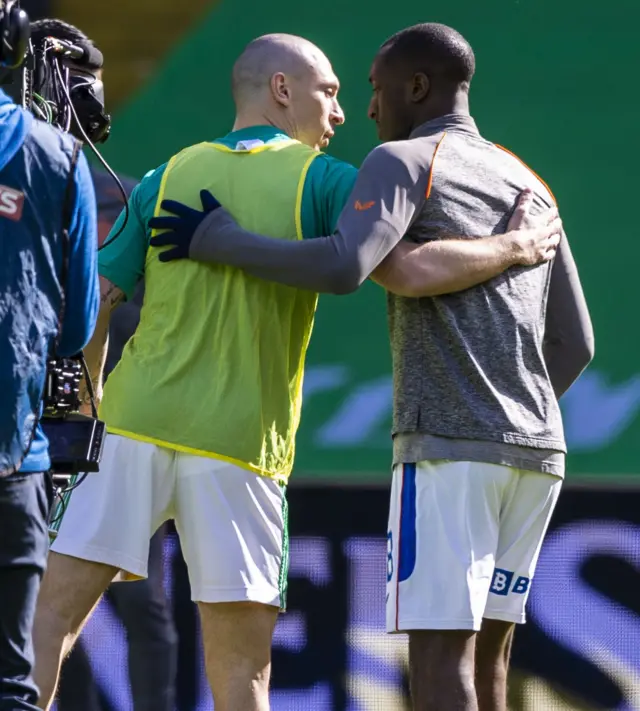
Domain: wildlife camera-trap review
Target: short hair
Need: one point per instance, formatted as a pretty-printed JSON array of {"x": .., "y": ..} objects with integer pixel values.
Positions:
[
  {"x": 40, "y": 29},
  {"x": 265, "y": 56},
  {"x": 436, "y": 50}
]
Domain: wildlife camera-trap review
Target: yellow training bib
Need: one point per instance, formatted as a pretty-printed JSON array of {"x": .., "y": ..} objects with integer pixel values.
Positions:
[{"x": 215, "y": 367}]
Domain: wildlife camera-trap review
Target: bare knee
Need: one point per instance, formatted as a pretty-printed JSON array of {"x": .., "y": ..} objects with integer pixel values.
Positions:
[
  {"x": 442, "y": 669},
  {"x": 451, "y": 650},
  {"x": 237, "y": 643},
  {"x": 70, "y": 589},
  {"x": 493, "y": 650},
  {"x": 493, "y": 645}
]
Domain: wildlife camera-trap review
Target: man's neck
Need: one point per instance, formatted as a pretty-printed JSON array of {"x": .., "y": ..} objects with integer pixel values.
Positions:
[
  {"x": 249, "y": 120},
  {"x": 457, "y": 104}
]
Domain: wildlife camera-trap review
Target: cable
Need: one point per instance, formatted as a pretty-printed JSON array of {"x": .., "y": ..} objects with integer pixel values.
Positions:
[
  {"x": 43, "y": 105},
  {"x": 62, "y": 495},
  {"x": 59, "y": 494},
  {"x": 78, "y": 480},
  {"x": 100, "y": 158},
  {"x": 42, "y": 115},
  {"x": 58, "y": 511},
  {"x": 87, "y": 377},
  {"x": 40, "y": 105}
]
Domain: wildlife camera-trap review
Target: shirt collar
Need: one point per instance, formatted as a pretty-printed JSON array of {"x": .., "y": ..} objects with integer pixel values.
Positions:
[
  {"x": 461, "y": 123},
  {"x": 260, "y": 133}
]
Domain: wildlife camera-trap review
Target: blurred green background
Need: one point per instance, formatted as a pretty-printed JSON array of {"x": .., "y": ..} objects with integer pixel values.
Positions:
[{"x": 555, "y": 84}]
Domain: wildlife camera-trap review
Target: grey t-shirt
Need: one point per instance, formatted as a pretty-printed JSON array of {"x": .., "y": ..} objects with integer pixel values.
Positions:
[{"x": 477, "y": 374}]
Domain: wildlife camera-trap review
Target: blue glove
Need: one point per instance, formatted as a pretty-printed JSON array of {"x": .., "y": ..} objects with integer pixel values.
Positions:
[{"x": 181, "y": 228}]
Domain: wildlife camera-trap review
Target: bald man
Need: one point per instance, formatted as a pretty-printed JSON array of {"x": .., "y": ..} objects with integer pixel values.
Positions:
[{"x": 203, "y": 408}]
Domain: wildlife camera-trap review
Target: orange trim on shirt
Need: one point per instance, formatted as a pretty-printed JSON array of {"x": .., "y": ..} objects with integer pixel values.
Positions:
[
  {"x": 433, "y": 160},
  {"x": 513, "y": 155}
]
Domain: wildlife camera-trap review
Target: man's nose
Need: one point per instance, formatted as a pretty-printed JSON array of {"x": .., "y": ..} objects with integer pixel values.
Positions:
[
  {"x": 337, "y": 115},
  {"x": 372, "y": 112}
]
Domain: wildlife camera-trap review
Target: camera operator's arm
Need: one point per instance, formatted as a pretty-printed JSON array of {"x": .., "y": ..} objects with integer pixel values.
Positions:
[{"x": 81, "y": 289}]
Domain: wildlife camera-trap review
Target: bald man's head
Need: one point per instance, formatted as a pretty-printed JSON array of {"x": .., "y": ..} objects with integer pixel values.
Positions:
[
  {"x": 291, "y": 82},
  {"x": 268, "y": 55}
]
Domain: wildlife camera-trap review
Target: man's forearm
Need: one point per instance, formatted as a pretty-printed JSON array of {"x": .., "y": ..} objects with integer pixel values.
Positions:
[
  {"x": 95, "y": 352},
  {"x": 444, "y": 267},
  {"x": 335, "y": 265}
]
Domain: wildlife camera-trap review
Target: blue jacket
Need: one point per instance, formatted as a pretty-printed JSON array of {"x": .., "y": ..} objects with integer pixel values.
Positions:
[{"x": 35, "y": 162}]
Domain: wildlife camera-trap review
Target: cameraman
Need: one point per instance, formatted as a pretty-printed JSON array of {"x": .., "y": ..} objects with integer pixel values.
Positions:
[{"x": 48, "y": 301}]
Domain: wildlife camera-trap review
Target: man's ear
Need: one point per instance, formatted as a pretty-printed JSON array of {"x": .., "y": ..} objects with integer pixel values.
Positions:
[
  {"x": 419, "y": 87},
  {"x": 280, "y": 89}
]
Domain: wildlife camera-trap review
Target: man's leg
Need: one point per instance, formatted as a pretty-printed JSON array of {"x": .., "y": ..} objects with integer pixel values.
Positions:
[
  {"x": 528, "y": 505},
  {"x": 237, "y": 647},
  {"x": 443, "y": 537},
  {"x": 106, "y": 527},
  {"x": 493, "y": 649},
  {"x": 70, "y": 591},
  {"x": 233, "y": 531},
  {"x": 25, "y": 501},
  {"x": 441, "y": 669},
  {"x": 151, "y": 635}
]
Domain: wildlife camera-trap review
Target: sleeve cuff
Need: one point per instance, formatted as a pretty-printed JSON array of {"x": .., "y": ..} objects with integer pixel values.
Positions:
[{"x": 127, "y": 286}]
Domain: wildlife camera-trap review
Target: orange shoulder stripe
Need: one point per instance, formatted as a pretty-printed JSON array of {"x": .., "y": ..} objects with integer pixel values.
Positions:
[
  {"x": 433, "y": 160},
  {"x": 513, "y": 155}
]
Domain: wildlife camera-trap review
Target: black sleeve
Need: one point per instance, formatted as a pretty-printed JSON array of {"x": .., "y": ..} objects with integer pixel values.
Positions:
[{"x": 569, "y": 340}]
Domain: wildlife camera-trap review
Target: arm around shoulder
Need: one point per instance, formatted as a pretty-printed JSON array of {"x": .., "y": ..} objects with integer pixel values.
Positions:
[{"x": 377, "y": 214}]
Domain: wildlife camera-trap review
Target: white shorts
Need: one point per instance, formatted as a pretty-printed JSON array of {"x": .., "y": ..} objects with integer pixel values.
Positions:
[
  {"x": 232, "y": 523},
  {"x": 463, "y": 543}
]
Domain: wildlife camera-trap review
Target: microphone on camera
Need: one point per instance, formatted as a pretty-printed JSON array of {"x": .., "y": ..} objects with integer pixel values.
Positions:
[{"x": 83, "y": 54}]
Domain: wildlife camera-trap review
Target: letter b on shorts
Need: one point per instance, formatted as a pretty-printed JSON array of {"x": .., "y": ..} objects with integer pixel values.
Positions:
[
  {"x": 521, "y": 585},
  {"x": 501, "y": 583}
]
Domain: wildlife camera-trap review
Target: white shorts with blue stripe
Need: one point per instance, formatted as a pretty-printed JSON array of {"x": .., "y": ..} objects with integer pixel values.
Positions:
[{"x": 463, "y": 543}]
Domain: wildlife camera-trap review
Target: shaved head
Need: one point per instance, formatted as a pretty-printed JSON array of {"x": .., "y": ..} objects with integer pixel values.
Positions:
[
  {"x": 287, "y": 82},
  {"x": 290, "y": 55}
]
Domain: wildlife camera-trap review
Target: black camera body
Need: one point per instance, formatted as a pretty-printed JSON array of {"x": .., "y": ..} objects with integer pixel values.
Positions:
[
  {"x": 75, "y": 440},
  {"x": 56, "y": 80},
  {"x": 62, "y": 386},
  {"x": 75, "y": 443}
]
